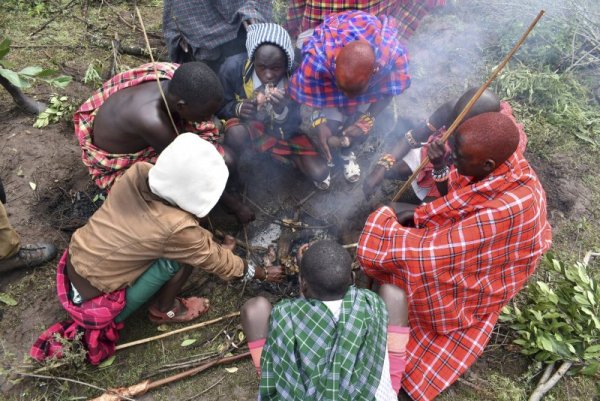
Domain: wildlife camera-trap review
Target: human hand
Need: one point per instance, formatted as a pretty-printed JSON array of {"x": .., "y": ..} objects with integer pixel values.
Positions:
[
  {"x": 373, "y": 180},
  {"x": 300, "y": 252},
  {"x": 436, "y": 151},
  {"x": 278, "y": 100},
  {"x": 245, "y": 214},
  {"x": 271, "y": 274},
  {"x": 246, "y": 109},
  {"x": 353, "y": 131},
  {"x": 228, "y": 242},
  {"x": 324, "y": 133},
  {"x": 405, "y": 212}
]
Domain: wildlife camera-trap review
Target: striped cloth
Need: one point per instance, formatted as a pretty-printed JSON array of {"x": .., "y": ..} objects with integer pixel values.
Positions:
[
  {"x": 260, "y": 34},
  {"x": 308, "y": 356},
  {"x": 94, "y": 317},
  {"x": 307, "y": 14},
  {"x": 105, "y": 167},
  {"x": 470, "y": 253},
  {"x": 313, "y": 83}
]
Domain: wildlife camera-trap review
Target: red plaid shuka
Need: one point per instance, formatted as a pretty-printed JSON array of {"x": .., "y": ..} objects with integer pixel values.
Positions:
[
  {"x": 105, "y": 167},
  {"x": 95, "y": 318},
  {"x": 425, "y": 179},
  {"x": 280, "y": 149},
  {"x": 470, "y": 253},
  {"x": 306, "y": 14},
  {"x": 313, "y": 83}
]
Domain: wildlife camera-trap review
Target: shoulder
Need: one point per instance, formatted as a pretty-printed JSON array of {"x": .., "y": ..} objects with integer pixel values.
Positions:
[{"x": 233, "y": 63}]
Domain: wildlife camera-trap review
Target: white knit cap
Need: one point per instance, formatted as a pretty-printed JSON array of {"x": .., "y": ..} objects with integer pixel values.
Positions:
[
  {"x": 259, "y": 34},
  {"x": 189, "y": 173}
]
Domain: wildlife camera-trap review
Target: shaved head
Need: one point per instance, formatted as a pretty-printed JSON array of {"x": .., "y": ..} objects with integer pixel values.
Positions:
[
  {"x": 354, "y": 66},
  {"x": 487, "y": 102},
  {"x": 483, "y": 143}
]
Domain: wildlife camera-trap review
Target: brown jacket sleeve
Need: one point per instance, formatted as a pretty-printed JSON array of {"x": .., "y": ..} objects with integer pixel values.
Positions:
[{"x": 193, "y": 245}]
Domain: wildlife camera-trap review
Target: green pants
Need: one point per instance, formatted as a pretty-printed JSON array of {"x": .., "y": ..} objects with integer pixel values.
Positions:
[
  {"x": 9, "y": 239},
  {"x": 148, "y": 284}
]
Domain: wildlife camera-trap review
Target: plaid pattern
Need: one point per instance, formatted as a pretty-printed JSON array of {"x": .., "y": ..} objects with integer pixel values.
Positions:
[
  {"x": 105, "y": 167},
  {"x": 471, "y": 252},
  {"x": 306, "y": 14},
  {"x": 308, "y": 356},
  {"x": 280, "y": 149},
  {"x": 425, "y": 180},
  {"x": 95, "y": 317},
  {"x": 313, "y": 83},
  {"x": 206, "y": 24}
]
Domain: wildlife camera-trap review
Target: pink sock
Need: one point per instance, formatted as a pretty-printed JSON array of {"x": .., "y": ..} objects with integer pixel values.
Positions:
[
  {"x": 397, "y": 339},
  {"x": 256, "y": 348}
]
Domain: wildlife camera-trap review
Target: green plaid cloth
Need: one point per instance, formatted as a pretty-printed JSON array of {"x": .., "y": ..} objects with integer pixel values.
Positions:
[{"x": 308, "y": 356}]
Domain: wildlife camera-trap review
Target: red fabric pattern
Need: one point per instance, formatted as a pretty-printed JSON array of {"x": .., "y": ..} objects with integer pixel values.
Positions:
[
  {"x": 95, "y": 318},
  {"x": 470, "y": 253}
]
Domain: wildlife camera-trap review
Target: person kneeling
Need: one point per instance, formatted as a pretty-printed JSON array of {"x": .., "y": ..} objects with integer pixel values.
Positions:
[{"x": 335, "y": 342}]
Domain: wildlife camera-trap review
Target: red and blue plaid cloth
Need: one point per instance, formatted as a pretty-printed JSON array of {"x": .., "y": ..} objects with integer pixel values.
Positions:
[
  {"x": 470, "y": 253},
  {"x": 95, "y": 318},
  {"x": 306, "y": 14},
  {"x": 313, "y": 84}
]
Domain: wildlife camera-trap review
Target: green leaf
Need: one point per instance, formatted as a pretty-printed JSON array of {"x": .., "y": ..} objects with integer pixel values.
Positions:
[
  {"x": 4, "y": 47},
  {"x": 12, "y": 77},
  {"x": 107, "y": 362},
  {"x": 60, "y": 82},
  {"x": 31, "y": 71},
  {"x": 7, "y": 299},
  {"x": 47, "y": 72},
  {"x": 188, "y": 342},
  {"x": 581, "y": 300},
  {"x": 591, "y": 369}
]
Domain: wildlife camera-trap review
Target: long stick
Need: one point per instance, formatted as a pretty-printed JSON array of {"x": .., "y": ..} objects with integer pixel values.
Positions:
[
  {"x": 469, "y": 105},
  {"x": 143, "y": 387},
  {"x": 162, "y": 94},
  {"x": 170, "y": 333}
]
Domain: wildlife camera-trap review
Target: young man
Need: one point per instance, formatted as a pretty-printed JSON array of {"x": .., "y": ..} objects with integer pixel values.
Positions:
[
  {"x": 257, "y": 107},
  {"x": 461, "y": 257},
  {"x": 145, "y": 240},
  {"x": 335, "y": 342},
  {"x": 13, "y": 255},
  {"x": 352, "y": 66},
  {"x": 408, "y": 151},
  {"x": 127, "y": 120}
]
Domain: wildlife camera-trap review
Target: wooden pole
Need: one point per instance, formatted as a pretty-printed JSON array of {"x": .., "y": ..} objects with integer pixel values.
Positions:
[
  {"x": 469, "y": 105},
  {"x": 170, "y": 333}
]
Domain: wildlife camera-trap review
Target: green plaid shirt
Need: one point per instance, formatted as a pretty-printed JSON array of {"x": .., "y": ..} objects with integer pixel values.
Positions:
[{"x": 308, "y": 356}]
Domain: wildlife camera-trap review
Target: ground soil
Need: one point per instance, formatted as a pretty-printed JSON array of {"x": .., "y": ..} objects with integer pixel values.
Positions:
[{"x": 63, "y": 199}]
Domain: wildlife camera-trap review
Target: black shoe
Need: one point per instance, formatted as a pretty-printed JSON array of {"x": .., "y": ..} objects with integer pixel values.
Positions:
[{"x": 29, "y": 255}]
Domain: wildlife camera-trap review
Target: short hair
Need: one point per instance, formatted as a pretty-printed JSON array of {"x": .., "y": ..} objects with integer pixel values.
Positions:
[
  {"x": 196, "y": 83},
  {"x": 326, "y": 267}
]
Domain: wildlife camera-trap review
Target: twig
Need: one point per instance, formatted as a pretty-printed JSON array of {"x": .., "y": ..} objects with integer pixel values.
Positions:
[
  {"x": 543, "y": 388},
  {"x": 250, "y": 201},
  {"x": 170, "y": 333},
  {"x": 133, "y": 27},
  {"x": 350, "y": 246},
  {"x": 72, "y": 381},
  {"x": 206, "y": 390},
  {"x": 469, "y": 105},
  {"x": 56, "y": 15}
]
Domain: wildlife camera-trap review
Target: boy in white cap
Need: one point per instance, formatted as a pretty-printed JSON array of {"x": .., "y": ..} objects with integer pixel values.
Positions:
[
  {"x": 142, "y": 243},
  {"x": 257, "y": 107}
]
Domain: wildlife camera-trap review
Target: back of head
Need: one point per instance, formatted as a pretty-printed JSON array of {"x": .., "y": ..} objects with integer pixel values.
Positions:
[
  {"x": 196, "y": 84},
  {"x": 489, "y": 136},
  {"x": 270, "y": 33},
  {"x": 487, "y": 102},
  {"x": 189, "y": 173},
  {"x": 354, "y": 66},
  {"x": 326, "y": 268}
]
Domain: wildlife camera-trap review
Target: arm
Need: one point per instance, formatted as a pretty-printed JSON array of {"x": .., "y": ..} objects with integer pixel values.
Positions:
[
  {"x": 436, "y": 152},
  {"x": 230, "y": 75}
]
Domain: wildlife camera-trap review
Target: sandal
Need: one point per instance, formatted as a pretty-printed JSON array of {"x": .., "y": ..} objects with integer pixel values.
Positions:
[
  {"x": 194, "y": 307},
  {"x": 351, "y": 168},
  {"x": 323, "y": 185}
]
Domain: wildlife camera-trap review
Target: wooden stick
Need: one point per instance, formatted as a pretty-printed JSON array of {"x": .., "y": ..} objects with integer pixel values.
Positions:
[
  {"x": 170, "y": 333},
  {"x": 162, "y": 94},
  {"x": 469, "y": 105},
  {"x": 142, "y": 387}
]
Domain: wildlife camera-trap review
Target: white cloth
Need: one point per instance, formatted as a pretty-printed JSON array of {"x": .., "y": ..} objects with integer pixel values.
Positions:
[
  {"x": 385, "y": 391},
  {"x": 189, "y": 173},
  {"x": 413, "y": 160}
]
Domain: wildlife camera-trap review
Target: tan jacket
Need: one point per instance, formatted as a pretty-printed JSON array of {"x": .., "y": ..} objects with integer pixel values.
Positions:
[{"x": 133, "y": 228}]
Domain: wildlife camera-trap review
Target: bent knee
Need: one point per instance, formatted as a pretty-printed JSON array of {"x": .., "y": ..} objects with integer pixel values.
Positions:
[{"x": 255, "y": 308}]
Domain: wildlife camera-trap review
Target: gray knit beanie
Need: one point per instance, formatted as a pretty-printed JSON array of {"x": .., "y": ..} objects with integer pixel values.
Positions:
[{"x": 259, "y": 34}]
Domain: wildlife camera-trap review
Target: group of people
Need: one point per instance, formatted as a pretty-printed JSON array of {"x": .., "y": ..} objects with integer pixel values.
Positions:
[{"x": 442, "y": 270}]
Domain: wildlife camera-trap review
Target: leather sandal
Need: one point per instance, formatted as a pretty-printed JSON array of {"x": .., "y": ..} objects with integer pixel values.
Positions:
[{"x": 194, "y": 307}]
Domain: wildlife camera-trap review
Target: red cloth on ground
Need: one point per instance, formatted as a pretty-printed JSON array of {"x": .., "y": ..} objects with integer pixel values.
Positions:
[
  {"x": 425, "y": 180},
  {"x": 95, "y": 318},
  {"x": 470, "y": 253}
]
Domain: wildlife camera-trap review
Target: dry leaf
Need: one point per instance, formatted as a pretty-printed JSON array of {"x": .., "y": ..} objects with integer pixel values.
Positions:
[
  {"x": 33, "y": 185},
  {"x": 188, "y": 342},
  {"x": 231, "y": 370},
  {"x": 163, "y": 327},
  {"x": 20, "y": 172}
]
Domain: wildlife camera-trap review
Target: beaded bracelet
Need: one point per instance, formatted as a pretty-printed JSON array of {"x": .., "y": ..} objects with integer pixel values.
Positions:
[
  {"x": 430, "y": 126},
  {"x": 238, "y": 108},
  {"x": 318, "y": 121},
  {"x": 365, "y": 122},
  {"x": 411, "y": 140},
  {"x": 387, "y": 161},
  {"x": 250, "y": 272},
  {"x": 440, "y": 175}
]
